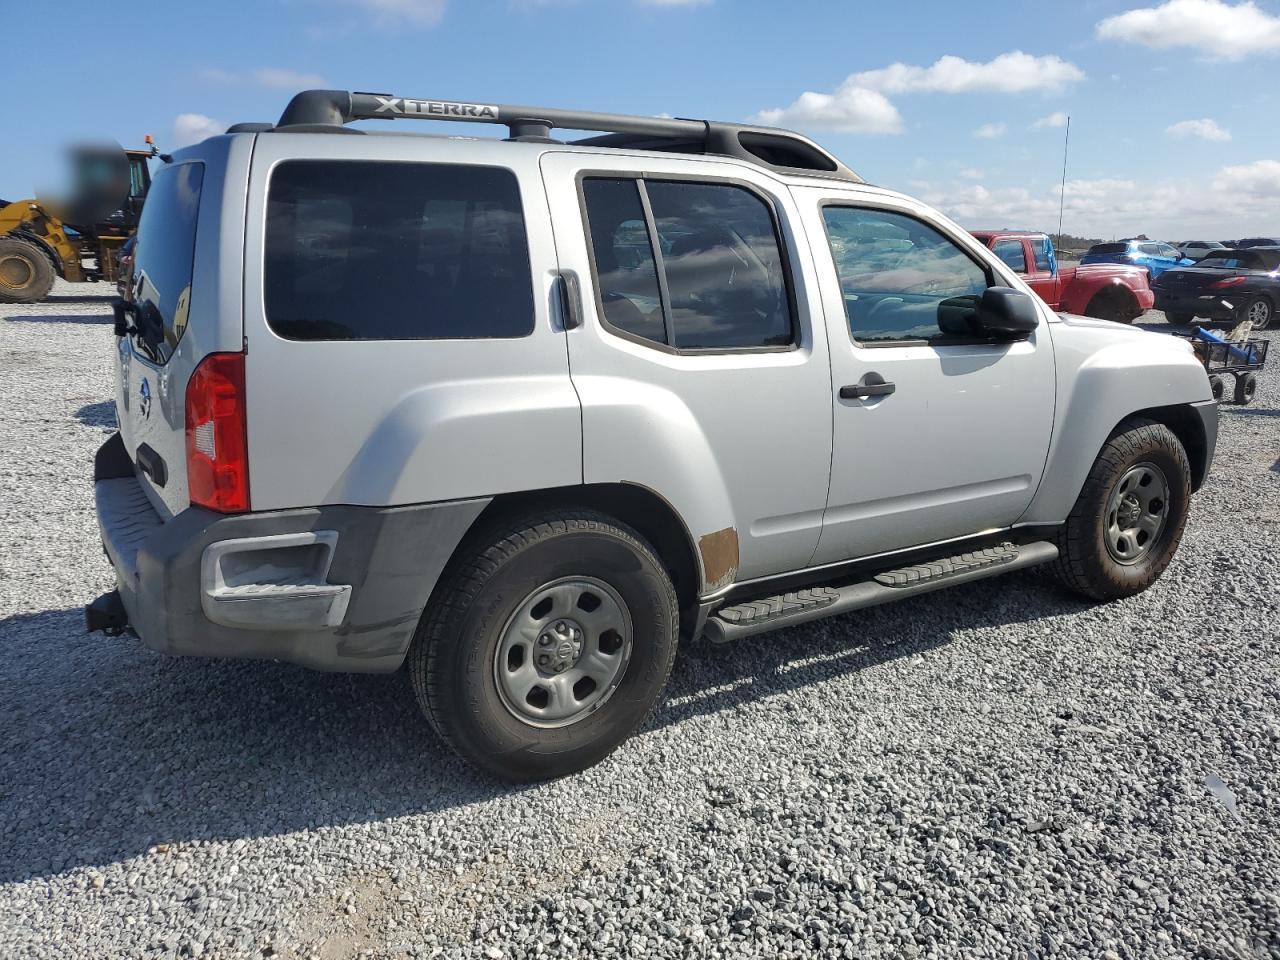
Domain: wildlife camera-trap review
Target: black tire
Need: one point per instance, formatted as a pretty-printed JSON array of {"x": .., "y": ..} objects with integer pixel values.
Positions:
[
  {"x": 1259, "y": 309},
  {"x": 26, "y": 275},
  {"x": 1112, "y": 305},
  {"x": 1216, "y": 386},
  {"x": 1246, "y": 387},
  {"x": 1085, "y": 564},
  {"x": 452, "y": 660},
  {"x": 1178, "y": 319}
]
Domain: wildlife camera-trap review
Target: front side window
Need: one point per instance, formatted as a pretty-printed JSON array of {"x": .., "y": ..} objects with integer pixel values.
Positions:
[
  {"x": 1011, "y": 252},
  {"x": 378, "y": 250},
  {"x": 716, "y": 279},
  {"x": 164, "y": 258},
  {"x": 901, "y": 279}
]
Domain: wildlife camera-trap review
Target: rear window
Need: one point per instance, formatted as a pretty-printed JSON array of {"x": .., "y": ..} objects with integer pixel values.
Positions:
[
  {"x": 375, "y": 250},
  {"x": 1108, "y": 248},
  {"x": 164, "y": 257}
]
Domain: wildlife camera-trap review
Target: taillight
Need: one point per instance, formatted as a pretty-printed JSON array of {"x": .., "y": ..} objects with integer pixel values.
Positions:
[
  {"x": 1226, "y": 282},
  {"x": 217, "y": 445}
]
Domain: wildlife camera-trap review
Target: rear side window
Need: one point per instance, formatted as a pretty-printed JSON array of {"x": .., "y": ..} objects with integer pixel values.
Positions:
[
  {"x": 374, "y": 250},
  {"x": 164, "y": 257},
  {"x": 1011, "y": 252},
  {"x": 694, "y": 266},
  {"x": 1042, "y": 250}
]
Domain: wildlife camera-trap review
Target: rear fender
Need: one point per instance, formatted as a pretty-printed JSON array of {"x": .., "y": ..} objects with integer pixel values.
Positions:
[{"x": 642, "y": 433}]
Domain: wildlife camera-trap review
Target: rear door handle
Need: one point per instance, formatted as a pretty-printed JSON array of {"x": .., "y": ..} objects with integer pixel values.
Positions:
[{"x": 861, "y": 391}]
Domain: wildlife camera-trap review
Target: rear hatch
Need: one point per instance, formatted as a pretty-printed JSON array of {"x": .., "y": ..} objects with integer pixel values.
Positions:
[
  {"x": 1193, "y": 279},
  {"x": 181, "y": 314}
]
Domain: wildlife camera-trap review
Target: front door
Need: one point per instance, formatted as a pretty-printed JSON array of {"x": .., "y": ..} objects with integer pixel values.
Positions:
[{"x": 938, "y": 433}]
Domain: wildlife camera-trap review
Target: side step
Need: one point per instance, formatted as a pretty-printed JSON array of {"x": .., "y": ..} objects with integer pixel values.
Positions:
[{"x": 789, "y": 609}]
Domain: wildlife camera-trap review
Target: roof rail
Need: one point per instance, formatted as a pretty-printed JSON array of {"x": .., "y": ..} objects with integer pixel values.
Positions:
[{"x": 766, "y": 146}]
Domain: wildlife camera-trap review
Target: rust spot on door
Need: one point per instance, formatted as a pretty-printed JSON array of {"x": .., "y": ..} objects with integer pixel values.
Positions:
[{"x": 719, "y": 557}]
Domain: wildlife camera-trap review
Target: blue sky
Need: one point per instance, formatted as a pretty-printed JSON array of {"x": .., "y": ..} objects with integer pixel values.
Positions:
[{"x": 1173, "y": 103}]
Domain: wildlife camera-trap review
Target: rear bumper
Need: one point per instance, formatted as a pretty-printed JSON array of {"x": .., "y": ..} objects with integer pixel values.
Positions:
[
  {"x": 1145, "y": 297},
  {"x": 334, "y": 587},
  {"x": 1199, "y": 305},
  {"x": 1207, "y": 411}
]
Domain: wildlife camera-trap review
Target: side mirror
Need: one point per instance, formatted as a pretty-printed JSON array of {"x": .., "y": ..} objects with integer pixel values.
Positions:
[{"x": 1006, "y": 313}]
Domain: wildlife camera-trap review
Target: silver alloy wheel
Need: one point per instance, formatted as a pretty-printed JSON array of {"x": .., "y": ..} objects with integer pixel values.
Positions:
[
  {"x": 1260, "y": 314},
  {"x": 563, "y": 652},
  {"x": 1136, "y": 513}
]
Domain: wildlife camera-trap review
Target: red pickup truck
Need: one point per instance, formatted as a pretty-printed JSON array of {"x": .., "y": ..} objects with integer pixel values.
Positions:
[{"x": 1103, "y": 290}]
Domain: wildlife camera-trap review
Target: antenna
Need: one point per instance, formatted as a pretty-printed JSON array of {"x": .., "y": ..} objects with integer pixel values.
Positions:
[{"x": 1062, "y": 194}]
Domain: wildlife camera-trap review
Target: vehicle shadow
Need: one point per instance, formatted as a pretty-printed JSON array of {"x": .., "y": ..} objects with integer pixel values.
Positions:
[
  {"x": 93, "y": 318},
  {"x": 100, "y": 414},
  {"x": 112, "y": 749},
  {"x": 80, "y": 298}
]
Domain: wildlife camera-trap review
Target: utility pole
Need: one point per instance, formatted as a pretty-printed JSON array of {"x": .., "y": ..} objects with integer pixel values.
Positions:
[{"x": 1062, "y": 195}]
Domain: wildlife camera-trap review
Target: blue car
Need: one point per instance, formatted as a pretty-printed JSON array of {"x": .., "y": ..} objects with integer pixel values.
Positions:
[{"x": 1153, "y": 256}]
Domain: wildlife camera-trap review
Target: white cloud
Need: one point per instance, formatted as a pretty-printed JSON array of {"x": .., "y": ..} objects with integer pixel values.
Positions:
[
  {"x": 1237, "y": 201},
  {"x": 189, "y": 128},
  {"x": 421, "y": 13},
  {"x": 1013, "y": 72},
  {"x": 287, "y": 79},
  {"x": 1205, "y": 129},
  {"x": 1055, "y": 119},
  {"x": 276, "y": 77},
  {"x": 990, "y": 131},
  {"x": 1257, "y": 182},
  {"x": 1221, "y": 30},
  {"x": 850, "y": 110},
  {"x": 971, "y": 173}
]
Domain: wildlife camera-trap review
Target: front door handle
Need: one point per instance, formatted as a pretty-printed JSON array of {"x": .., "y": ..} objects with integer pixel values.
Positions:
[{"x": 861, "y": 391}]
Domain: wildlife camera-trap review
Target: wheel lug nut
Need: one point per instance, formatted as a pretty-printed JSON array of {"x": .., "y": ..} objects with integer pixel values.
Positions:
[
  {"x": 544, "y": 641},
  {"x": 544, "y": 659}
]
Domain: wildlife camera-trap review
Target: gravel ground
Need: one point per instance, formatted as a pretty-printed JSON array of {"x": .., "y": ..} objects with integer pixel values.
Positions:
[{"x": 1003, "y": 771}]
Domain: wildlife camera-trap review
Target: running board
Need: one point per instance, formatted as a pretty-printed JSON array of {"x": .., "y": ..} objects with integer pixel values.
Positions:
[{"x": 788, "y": 609}]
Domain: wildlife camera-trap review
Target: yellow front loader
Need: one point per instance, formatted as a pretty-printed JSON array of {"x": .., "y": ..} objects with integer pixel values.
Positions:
[{"x": 36, "y": 245}]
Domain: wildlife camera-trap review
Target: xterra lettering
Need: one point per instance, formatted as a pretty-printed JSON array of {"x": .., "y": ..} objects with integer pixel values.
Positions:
[{"x": 444, "y": 109}]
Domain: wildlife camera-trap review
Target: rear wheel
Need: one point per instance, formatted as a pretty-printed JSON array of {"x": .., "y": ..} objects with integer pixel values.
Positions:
[
  {"x": 1178, "y": 319},
  {"x": 1127, "y": 522},
  {"x": 26, "y": 275},
  {"x": 1258, "y": 310},
  {"x": 546, "y": 645},
  {"x": 1113, "y": 305}
]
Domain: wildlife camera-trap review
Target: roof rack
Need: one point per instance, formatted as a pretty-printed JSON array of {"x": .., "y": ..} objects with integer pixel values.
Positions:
[{"x": 314, "y": 110}]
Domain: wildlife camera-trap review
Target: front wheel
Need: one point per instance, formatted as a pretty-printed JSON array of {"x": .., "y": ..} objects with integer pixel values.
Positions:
[
  {"x": 1127, "y": 522},
  {"x": 546, "y": 644},
  {"x": 26, "y": 275}
]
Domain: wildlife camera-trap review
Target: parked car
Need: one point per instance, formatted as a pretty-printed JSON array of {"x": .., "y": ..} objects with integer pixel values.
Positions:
[
  {"x": 1248, "y": 242},
  {"x": 1230, "y": 285},
  {"x": 1151, "y": 255},
  {"x": 1105, "y": 291},
  {"x": 1195, "y": 249},
  {"x": 431, "y": 401}
]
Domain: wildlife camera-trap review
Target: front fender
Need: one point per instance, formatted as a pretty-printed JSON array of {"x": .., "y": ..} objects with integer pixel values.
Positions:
[{"x": 1105, "y": 373}]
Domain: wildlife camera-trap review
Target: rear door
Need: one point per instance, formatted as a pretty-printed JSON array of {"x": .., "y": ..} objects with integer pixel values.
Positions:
[{"x": 702, "y": 363}]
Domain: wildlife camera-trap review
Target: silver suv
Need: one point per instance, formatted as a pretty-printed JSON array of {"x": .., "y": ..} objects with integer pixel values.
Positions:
[{"x": 521, "y": 414}]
